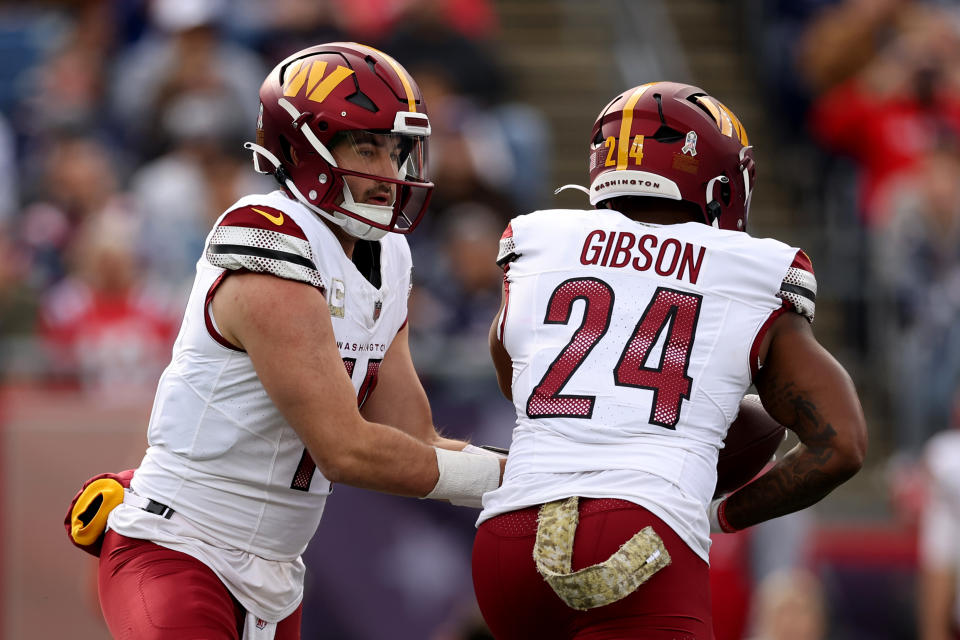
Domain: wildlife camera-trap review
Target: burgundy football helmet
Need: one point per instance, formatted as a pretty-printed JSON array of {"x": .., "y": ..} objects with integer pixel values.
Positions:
[
  {"x": 671, "y": 140},
  {"x": 344, "y": 93}
]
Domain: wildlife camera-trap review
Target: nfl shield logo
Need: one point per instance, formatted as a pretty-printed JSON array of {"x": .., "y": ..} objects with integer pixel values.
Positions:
[
  {"x": 261, "y": 623},
  {"x": 377, "y": 308}
]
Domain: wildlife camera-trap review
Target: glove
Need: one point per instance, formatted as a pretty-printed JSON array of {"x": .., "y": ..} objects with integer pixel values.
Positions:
[{"x": 86, "y": 519}]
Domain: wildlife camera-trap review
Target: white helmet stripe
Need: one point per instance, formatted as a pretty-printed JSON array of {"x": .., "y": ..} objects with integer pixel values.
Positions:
[
  {"x": 710, "y": 198},
  {"x": 747, "y": 188},
  {"x": 257, "y": 149},
  {"x": 308, "y": 132}
]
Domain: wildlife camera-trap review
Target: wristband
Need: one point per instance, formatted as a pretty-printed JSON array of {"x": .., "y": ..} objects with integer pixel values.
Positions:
[
  {"x": 716, "y": 514},
  {"x": 465, "y": 477},
  {"x": 485, "y": 450}
]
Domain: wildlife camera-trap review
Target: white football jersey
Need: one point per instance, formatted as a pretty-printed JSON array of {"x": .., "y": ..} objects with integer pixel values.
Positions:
[
  {"x": 247, "y": 496},
  {"x": 632, "y": 346},
  {"x": 940, "y": 522}
]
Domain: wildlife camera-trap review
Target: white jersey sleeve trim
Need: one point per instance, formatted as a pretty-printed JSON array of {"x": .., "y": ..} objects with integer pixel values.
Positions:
[
  {"x": 799, "y": 287},
  {"x": 264, "y": 251},
  {"x": 508, "y": 248}
]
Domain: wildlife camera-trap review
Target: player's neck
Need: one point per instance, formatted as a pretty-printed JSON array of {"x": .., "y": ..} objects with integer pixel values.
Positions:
[
  {"x": 658, "y": 217},
  {"x": 347, "y": 241},
  {"x": 656, "y": 210}
]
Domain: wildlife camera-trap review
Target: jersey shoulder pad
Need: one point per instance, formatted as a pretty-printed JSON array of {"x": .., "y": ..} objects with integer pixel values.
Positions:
[
  {"x": 799, "y": 286},
  {"x": 264, "y": 239},
  {"x": 508, "y": 248}
]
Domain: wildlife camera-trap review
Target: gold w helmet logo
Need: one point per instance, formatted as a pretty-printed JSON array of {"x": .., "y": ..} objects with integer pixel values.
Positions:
[
  {"x": 310, "y": 75},
  {"x": 727, "y": 122}
]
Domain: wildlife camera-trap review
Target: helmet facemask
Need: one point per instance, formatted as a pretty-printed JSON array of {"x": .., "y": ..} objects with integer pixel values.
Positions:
[
  {"x": 368, "y": 182},
  {"x": 378, "y": 183}
]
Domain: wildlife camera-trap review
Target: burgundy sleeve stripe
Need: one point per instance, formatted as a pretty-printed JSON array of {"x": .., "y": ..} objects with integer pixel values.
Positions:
[
  {"x": 507, "y": 250},
  {"x": 755, "y": 347},
  {"x": 802, "y": 261},
  {"x": 502, "y": 325},
  {"x": 208, "y": 318},
  {"x": 265, "y": 218},
  {"x": 260, "y": 252}
]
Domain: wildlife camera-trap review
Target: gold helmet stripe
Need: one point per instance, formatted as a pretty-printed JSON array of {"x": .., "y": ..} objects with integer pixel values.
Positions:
[
  {"x": 401, "y": 73},
  {"x": 328, "y": 84},
  {"x": 626, "y": 123},
  {"x": 296, "y": 76},
  {"x": 318, "y": 87},
  {"x": 737, "y": 126},
  {"x": 723, "y": 122}
]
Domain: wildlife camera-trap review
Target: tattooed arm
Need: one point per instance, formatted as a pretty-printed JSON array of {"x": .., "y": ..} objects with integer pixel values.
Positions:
[{"x": 805, "y": 389}]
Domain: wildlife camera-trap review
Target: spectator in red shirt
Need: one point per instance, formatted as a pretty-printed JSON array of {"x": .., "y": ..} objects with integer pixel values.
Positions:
[
  {"x": 898, "y": 107},
  {"x": 104, "y": 329}
]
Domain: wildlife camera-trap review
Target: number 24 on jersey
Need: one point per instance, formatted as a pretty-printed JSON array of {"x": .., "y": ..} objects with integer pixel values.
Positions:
[{"x": 669, "y": 309}]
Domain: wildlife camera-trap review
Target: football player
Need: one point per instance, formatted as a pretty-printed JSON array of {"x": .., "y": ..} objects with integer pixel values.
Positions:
[
  {"x": 938, "y": 580},
  {"x": 626, "y": 339},
  {"x": 291, "y": 360}
]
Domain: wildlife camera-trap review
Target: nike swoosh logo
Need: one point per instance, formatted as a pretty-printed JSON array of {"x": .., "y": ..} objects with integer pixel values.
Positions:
[{"x": 277, "y": 220}]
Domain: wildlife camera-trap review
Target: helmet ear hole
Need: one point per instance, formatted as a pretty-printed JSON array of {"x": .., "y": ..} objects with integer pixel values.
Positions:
[
  {"x": 286, "y": 150},
  {"x": 713, "y": 211},
  {"x": 725, "y": 193}
]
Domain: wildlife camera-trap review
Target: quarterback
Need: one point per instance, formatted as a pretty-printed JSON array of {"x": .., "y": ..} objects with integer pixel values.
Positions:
[
  {"x": 626, "y": 339},
  {"x": 291, "y": 361}
]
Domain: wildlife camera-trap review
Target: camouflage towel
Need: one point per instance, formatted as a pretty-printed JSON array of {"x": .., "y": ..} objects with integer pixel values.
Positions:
[{"x": 595, "y": 586}]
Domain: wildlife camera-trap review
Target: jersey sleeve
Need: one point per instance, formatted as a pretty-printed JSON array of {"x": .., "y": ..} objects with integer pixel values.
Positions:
[
  {"x": 508, "y": 248},
  {"x": 797, "y": 292},
  {"x": 263, "y": 239},
  {"x": 799, "y": 286}
]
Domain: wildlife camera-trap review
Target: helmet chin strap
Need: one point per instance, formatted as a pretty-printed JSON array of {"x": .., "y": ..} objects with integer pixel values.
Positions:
[
  {"x": 712, "y": 203},
  {"x": 377, "y": 212},
  {"x": 354, "y": 227},
  {"x": 747, "y": 187},
  {"x": 571, "y": 186},
  {"x": 257, "y": 149}
]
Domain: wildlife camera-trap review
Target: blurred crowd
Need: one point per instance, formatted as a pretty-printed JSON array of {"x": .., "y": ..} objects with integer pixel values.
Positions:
[
  {"x": 121, "y": 132},
  {"x": 866, "y": 96},
  {"x": 872, "y": 89}
]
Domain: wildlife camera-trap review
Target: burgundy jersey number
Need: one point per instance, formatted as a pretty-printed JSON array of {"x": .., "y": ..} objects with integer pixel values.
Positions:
[
  {"x": 546, "y": 401},
  {"x": 304, "y": 474},
  {"x": 669, "y": 381}
]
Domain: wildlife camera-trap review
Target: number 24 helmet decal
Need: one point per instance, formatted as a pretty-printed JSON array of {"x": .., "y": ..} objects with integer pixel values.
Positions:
[
  {"x": 672, "y": 140},
  {"x": 346, "y": 93}
]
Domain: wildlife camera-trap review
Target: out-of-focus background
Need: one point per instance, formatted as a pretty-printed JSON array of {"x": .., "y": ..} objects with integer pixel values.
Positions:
[{"x": 121, "y": 124}]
